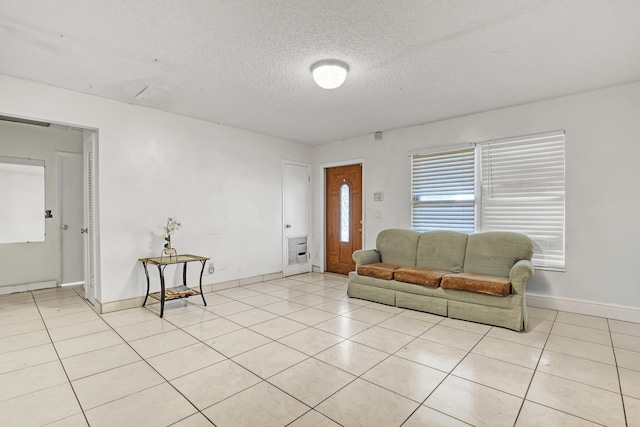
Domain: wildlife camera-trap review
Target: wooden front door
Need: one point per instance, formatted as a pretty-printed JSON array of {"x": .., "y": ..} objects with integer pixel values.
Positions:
[{"x": 343, "y": 216}]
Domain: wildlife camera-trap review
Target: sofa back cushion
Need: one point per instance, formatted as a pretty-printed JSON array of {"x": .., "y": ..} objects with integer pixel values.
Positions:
[
  {"x": 398, "y": 246},
  {"x": 495, "y": 252},
  {"x": 442, "y": 250}
]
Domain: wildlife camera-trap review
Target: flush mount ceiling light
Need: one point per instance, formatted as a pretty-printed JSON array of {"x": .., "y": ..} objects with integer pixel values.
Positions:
[{"x": 329, "y": 73}]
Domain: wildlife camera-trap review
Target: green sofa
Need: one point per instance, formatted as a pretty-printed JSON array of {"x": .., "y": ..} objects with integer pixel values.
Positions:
[{"x": 479, "y": 277}]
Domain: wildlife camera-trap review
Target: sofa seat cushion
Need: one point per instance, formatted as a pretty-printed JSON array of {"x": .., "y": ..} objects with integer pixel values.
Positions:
[
  {"x": 491, "y": 285},
  {"x": 419, "y": 276},
  {"x": 379, "y": 270}
]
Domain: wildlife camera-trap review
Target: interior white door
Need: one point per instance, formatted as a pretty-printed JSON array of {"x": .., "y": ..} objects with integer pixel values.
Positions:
[
  {"x": 296, "y": 216},
  {"x": 90, "y": 216},
  {"x": 71, "y": 217}
]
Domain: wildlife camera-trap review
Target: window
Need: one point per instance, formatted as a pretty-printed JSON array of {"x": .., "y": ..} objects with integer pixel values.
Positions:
[
  {"x": 517, "y": 184},
  {"x": 344, "y": 213}
]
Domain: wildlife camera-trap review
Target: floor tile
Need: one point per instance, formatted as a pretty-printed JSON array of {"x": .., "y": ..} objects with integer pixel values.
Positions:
[
  {"x": 581, "y": 370},
  {"x": 251, "y": 317},
  {"x": 73, "y": 319},
  {"x": 632, "y": 408},
  {"x": 573, "y": 347},
  {"x": 162, "y": 343},
  {"x": 41, "y": 407},
  {"x": 308, "y": 288},
  {"x": 583, "y": 320},
  {"x": 507, "y": 351},
  {"x": 310, "y": 300},
  {"x": 530, "y": 338},
  {"x": 283, "y": 308},
  {"x": 21, "y": 327},
  {"x": 311, "y": 381},
  {"x": 114, "y": 384},
  {"x": 539, "y": 325},
  {"x": 628, "y": 359},
  {"x": 228, "y": 308},
  {"x": 534, "y": 415},
  {"x": 269, "y": 359},
  {"x": 409, "y": 379},
  {"x": 24, "y": 381},
  {"x": 78, "y": 330},
  {"x": 503, "y": 376},
  {"x": 429, "y": 417},
  {"x": 337, "y": 307},
  {"x": 118, "y": 319},
  {"x": 185, "y": 360},
  {"x": 342, "y": 326},
  {"x": 453, "y": 337},
  {"x": 626, "y": 342},
  {"x": 626, "y": 328},
  {"x": 237, "y": 342},
  {"x": 630, "y": 383},
  {"x": 313, "y": 419},
  {"x": 382, "y": 339},
  {"x": 214, "y": 383},
  {"x": 211, "y": 328},
  {"x": 278, "y": 327},
  {"x": 432, "y": 354},
  {"x": 190, "y": 317},
  {"x": 19, "y": 342},
  {"x": 476, "y": 328},
  {"x": 195, "y": 420},
  {"x": 84, "y": 344},
  {"x": 77, "y": 420},
  {"x": 331, "y": 293},
  {"x": 238, "y": 293},
  {"x": 261, "y": 405},
  {"x": 474, "y": 403},
  {"x": 214, "y": 298},
  {"x": 581, "y": 400},
  {"x": 311, "y": 341},
  {"x": 261, "y": 300},
  {"x": 352, "y": 357},
  {"x": 144, "y": 329},
  {"x": 104, "y": 359},
  {"x": 27, "y": 357},
  {"x": 161, "y": 405},
  {"x": 581, "y": 333},
  {"x": 542, "y": 313},
  {"x": 287, "y": 293},
  {"x": 310, "y": 316},
  {"x": 265, "y": 287},
  {"x": 368, "y": 315},
  {"x": 428, "y": 317},
  {"x": 407, "y": 325},
  {"x": 362, "y": 403}
]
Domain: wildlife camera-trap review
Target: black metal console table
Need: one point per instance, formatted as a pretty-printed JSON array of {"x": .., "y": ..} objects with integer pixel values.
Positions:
[{"x": 167, "y": 294}]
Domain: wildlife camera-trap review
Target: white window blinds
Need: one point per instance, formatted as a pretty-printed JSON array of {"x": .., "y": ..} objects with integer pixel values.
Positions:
[
  {"x": 523, "y": 189},
  {"x": 443, "y": 191}
]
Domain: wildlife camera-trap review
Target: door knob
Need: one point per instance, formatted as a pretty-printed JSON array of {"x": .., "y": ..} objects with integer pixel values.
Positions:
[
  {"x": 84, "y": 230},
  {"x": 288, "y": 226},
  {"x": 65, "y": 227}
]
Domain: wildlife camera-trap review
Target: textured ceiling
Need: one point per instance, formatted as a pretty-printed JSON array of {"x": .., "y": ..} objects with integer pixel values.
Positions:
[{"x": 245, "y": 63}]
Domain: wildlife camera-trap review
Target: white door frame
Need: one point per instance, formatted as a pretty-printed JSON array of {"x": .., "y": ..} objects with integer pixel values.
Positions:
[
  {"x": 92, "y": 224},
  {"x": 322, "y": 255},
  {"x": 285, "y": 258},
  {"x": 59, "y": 156}
]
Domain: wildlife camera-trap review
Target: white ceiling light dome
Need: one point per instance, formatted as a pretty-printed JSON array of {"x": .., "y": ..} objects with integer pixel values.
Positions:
[{"x": 329, "y": 73}]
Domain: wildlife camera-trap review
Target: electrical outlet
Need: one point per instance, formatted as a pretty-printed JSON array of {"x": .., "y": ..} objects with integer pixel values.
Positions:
[{"x": 212, "y": 268}]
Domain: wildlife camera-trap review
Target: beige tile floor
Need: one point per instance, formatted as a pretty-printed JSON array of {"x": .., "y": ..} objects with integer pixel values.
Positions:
[{"x": 299, "y": 352}]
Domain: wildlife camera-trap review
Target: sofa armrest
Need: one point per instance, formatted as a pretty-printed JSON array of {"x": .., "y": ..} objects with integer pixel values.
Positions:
[
  {"x": 519, "y": 274},
  {"x": 365, "y": 256}
]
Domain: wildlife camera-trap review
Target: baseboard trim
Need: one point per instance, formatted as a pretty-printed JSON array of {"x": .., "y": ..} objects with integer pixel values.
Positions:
[
  {"x": 118, "y": 305},
  {"x": 10, "y": 289},
  {"x": 591, "y": 308}
]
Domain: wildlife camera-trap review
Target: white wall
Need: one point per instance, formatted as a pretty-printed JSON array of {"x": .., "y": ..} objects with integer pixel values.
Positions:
[
  {"x": 24, "y": 263},
  {"x": 223, "y": 184},
  {"x": 603, "y": 171}
]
